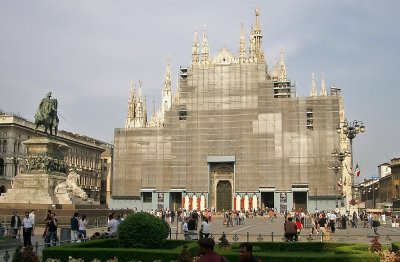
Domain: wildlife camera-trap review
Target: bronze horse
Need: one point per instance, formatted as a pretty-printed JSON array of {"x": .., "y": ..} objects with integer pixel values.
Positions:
[{"x": 47, "y": 116}]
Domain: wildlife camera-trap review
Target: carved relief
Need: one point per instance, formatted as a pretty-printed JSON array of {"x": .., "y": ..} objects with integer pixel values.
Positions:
[{"x": 47, "y": 163}]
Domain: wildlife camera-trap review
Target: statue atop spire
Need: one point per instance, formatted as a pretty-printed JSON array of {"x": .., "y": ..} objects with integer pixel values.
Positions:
[
  {"x": 282, "y": 68},
  {"x": 242, "y": 46},
  {"x": 323, "y": 86},
  {"x": 204, "y": 52},
  {"x": 313, "y": 86},
  {"x": 195, "y": 50},
  {"x": 257, "y": 36}
]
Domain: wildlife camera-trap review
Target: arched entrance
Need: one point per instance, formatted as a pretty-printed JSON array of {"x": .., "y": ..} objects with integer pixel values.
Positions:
[{"x": 224, "y": 195}]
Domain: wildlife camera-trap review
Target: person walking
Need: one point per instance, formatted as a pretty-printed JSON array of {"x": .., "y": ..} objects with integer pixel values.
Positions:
[
  {"x": 51, "y": 236},
  {"x": 32, "y": 215},
  {"x": 375, "y": 224},
  {"x": 332, "y": 220},
  {"x": 15, "y": 224},
  {"x": 82, "y": 227},
  {"x": 74, "y": 227},
  {"x": 47, "y": 219},
  {"x": 205, "y": 228},
  {"x": 27, "y": 226}
]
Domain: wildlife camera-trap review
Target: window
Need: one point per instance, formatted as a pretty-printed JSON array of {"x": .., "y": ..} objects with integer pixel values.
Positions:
[
  {"x": 147, "y": 197},
  {"x": 310, "y": 119},
  {"x": 182, "y": 112}
]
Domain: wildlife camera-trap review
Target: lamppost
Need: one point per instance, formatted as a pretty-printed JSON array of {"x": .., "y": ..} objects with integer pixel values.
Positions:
[
  {"x": 341, "y": 154},
  {"x": 336, "y": 167},
  {"x": 350, "y": 130},
  {"x": 373, "y": 188}
]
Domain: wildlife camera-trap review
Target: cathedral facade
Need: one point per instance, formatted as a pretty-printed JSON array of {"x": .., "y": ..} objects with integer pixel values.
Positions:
[{"x": 234, "y": 136}]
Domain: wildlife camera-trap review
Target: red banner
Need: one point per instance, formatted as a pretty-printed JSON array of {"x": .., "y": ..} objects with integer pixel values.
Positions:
[
  {"x": 250, "y": 203},
  {"x": 198, "y": 203}
]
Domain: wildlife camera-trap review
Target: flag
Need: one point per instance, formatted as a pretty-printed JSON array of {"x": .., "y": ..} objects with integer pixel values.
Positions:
[{"x": 357, "y": 171}]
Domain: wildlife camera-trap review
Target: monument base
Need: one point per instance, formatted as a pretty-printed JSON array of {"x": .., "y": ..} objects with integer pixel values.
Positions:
[{"x": 34, "y": 189}]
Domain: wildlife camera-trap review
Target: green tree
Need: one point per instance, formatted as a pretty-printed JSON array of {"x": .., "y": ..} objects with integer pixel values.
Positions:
[{"x": 142, "y": 230}]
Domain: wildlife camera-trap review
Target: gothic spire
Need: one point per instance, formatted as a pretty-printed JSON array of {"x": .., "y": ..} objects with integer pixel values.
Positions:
[
  {"x": 131, "y": 107},
  {"x": 258, "y": 38},
  {"x": 313, "y": 86},
  {"x": 195, "y": 49},
  {"x": 204, "y": 52},
  {"x": 323, "y": 86},
  {"x": 252, "y": 46},
  {"x": 167, "y": 94},
  {"x": 242, "y": 48},
  {"x": 282, "y": 67}
]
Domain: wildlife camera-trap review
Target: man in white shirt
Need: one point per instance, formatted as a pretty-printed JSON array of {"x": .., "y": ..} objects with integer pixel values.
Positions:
[
  {"x": 32, "y": 215},
  {"x": 205, "y": 228},
  {"x": 27, "y": 224},
  {"x": 332, "y": 220}
]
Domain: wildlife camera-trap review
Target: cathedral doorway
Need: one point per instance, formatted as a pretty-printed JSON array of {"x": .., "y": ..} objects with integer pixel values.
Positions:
[
  {"x": 267, "y": 199},
  {"x": 175, "y": 200},
  {"x": 224, "y": 195},
  {"x": 300, "y": 200},
  {"x": 222, "y": 184}
]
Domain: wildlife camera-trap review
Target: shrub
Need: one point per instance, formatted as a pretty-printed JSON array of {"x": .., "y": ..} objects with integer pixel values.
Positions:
[
  {"x": 224, "y": 243},
  {"x": 185, "y": 256},
  {"x": 376, "y": 246},
  {"x": 142, "y": 230},
  {"x": 26, "y": 255}
]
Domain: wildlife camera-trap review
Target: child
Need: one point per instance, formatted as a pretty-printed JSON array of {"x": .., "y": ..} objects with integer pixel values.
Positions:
[{"x": 299, "y": 226}]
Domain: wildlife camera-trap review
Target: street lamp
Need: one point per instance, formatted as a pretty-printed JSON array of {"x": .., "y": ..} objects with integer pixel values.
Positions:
[
  {"x": 350, "y": 130},
  {"x": 341, "y": 154},
  {"x": 336, "y": 167},
  {"x": 373, "y": 189}
]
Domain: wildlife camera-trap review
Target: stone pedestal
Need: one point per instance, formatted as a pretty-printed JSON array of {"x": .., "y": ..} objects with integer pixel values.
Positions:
[
  {"x": 33, "y": 189},
  {"x": 45, "y": 170}
]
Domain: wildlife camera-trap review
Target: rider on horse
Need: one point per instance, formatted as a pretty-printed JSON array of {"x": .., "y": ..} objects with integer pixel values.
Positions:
[{"x": 46, "y": 114}]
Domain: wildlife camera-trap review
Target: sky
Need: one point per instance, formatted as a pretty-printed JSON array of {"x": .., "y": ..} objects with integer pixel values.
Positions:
[{"x": 88, "y": 52}]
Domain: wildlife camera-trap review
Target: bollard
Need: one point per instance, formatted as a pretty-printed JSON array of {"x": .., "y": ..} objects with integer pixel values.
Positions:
[
  {"x": 36, "y": 247},
  {"x": 272, "y": 236},
  {"x": 247, "y": 236}
]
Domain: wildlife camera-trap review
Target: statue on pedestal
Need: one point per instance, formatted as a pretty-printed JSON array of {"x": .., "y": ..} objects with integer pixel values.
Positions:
[
  {"x": 46, "y": 114},
  {"x": 70, "y": 187}
]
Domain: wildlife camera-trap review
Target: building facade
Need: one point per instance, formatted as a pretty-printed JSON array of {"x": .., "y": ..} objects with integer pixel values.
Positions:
[
  {"x": 234, "y": 136},
  {"x": 84, "y": 154}
]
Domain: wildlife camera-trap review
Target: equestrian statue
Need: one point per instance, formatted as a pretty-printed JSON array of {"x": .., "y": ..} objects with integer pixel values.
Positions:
[{"x": 46, "y": 115}]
